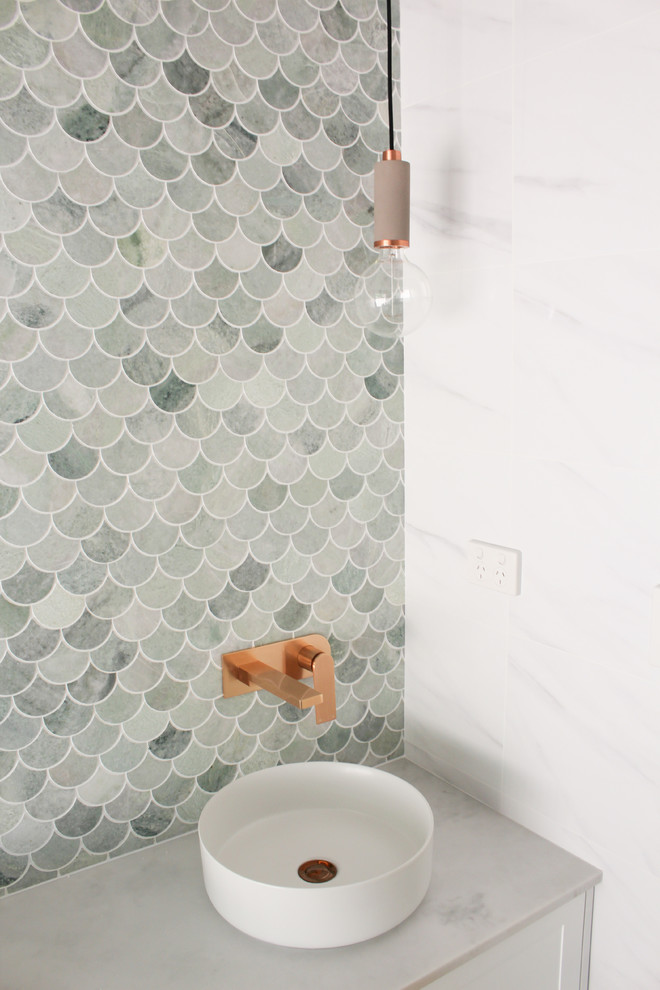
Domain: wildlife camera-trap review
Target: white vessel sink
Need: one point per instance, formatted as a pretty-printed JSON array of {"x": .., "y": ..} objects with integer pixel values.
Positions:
[{"x": 375, "y": 828}]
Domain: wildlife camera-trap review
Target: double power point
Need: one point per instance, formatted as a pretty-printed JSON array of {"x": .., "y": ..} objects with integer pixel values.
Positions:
[{"x": 494, "y": 567}]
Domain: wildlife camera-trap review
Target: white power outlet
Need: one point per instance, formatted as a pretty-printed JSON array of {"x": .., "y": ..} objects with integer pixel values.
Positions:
[{"x": 494, "y": 567}]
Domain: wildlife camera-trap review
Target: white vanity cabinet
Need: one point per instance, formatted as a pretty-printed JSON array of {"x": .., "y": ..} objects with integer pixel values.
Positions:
[{"x": 550, "y": 954}]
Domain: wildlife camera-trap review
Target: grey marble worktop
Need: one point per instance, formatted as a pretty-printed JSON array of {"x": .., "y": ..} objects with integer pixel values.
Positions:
[{"x": 144, "y": 920}]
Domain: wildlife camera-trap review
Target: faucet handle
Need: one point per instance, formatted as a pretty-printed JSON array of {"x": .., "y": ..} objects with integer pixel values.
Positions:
[{"x": 322, "y": 668}]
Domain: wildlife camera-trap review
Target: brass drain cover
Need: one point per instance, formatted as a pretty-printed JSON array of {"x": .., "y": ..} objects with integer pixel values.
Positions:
[{"x": 317, "y": 871}]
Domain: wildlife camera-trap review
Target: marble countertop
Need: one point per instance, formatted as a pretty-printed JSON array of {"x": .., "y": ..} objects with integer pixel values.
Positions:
[{"x": 144, "y": 920}]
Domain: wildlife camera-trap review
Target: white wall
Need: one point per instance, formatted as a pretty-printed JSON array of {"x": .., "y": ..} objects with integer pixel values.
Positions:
[{"x": 533, "y": 420}]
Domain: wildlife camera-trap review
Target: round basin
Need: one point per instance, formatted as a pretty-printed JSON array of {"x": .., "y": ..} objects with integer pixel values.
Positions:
[{"x": 316, "y": 855}]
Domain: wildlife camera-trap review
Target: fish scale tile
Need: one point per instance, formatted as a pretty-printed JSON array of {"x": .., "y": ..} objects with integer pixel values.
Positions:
[{"x": 199, "y": 450}]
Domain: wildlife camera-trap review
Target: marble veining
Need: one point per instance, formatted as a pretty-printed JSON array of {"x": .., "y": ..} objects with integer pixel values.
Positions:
[{"x": 532, "y": 421}]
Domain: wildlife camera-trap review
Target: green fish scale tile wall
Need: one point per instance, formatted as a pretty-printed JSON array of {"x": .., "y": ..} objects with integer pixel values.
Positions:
[{"x": 199, "y": 450}]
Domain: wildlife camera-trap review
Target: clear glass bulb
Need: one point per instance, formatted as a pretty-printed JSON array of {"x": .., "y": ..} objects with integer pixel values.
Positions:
[{"x": 393, "y": 296}]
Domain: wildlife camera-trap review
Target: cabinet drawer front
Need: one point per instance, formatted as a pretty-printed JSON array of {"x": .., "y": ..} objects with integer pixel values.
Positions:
[{"x": 544, "y": 956}]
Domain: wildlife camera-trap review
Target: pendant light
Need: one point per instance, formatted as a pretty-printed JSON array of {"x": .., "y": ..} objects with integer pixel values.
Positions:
[{"x": 394, "y": 295}]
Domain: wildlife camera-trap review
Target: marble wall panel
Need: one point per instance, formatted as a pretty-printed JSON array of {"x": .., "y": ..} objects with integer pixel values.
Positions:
[{"x": 531, "y": 421}]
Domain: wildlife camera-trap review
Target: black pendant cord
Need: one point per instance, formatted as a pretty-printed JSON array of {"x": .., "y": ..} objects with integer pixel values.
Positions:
[{"x": 390, "y": 101}]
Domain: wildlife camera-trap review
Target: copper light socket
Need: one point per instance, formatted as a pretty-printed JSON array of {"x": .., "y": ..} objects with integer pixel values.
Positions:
[{"x": 391, "y": 201}]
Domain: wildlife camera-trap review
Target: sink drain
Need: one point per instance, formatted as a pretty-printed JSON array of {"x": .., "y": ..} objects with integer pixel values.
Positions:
[{"x": 317, "y": 871}]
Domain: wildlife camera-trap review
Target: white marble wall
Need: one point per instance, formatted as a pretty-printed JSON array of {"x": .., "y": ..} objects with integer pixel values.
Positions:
[{"x": 533, "y": 420}]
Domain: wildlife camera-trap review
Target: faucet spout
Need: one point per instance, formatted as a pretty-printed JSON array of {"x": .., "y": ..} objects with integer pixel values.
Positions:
[{"x": 254, "y": 673}]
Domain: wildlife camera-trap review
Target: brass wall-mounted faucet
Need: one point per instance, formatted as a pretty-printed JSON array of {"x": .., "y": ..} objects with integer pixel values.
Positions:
[{"x": 278, "y": 668}]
